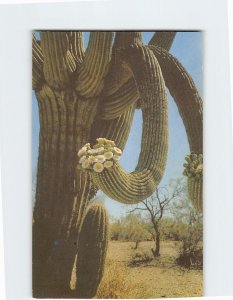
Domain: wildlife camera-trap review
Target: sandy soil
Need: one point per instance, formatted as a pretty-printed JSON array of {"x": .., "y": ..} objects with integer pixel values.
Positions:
[{"x": 160, "y": 278}]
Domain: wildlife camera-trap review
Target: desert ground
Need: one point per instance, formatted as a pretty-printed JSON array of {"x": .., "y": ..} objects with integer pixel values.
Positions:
[{"x": 159, "y": 278}]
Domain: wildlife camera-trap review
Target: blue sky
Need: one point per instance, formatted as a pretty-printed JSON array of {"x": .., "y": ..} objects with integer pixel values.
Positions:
[{"x": 187, "y": 47}]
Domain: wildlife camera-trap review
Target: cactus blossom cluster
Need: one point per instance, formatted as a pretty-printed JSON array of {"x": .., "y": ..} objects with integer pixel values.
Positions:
[
  {"x": 102, "y": 156},
  {"x": 193, "y": 166}
]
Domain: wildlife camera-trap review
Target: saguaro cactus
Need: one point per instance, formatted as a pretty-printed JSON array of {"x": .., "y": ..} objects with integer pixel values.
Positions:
[
  {"x": 84, "y": 95},
  {"x": 92, "y": 246}
]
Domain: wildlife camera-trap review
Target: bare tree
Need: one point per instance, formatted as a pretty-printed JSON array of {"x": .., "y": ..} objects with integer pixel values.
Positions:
[{"x": 156, "y": 206}]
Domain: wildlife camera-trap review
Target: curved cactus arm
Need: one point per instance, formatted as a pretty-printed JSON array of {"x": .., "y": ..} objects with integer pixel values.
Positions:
[
  {"x": 115, "y": 105},
  {"x": 95, "y": 65},
  {"x": 119, "y": 71},
  {"x": 57, "y": 68},
  {"x": 138, "y": 185},
  {"x": 37, "y": 64},
  {"x": 115, "y": 129},
  {"x": 91, "y": 252},
  {"x": 124, "y": 96},
  {"x": 163, "y": 39},
  {"x": 189, "y": 102},
  {"x": 185, "y": 94}
]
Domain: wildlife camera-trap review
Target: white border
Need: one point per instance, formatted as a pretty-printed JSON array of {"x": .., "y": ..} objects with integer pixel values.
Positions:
[{"x": 16, "y": 22}]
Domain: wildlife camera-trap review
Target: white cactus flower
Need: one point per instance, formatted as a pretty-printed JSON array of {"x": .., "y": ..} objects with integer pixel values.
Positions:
[
  {"x": 82, "y": 159},
  {"x": 117, "y": 151},
  {"x": 98, "y": 167},
  {"x": 100, "y": 150},
  {"x": 82, "y": 151},
  {"x": 92, "y": 159},
  {"x": 116, "y": 157},
  {"x": 91, "y": 152},
  {"x": 110, "y": 143},
  {"x": 88, "y": 146},
  {"x": 108, "y": 155},
  {"x": 108, "y": 164},
  {"x": 100, "y": 158},
  {"x": 100, "y": 140},
  {"x": 85, "y": 164}
]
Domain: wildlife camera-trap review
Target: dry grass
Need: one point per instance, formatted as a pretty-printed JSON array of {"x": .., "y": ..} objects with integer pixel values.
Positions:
[
  {"x": 116, "y": 283},
  {"x": 160, "y": 278}
]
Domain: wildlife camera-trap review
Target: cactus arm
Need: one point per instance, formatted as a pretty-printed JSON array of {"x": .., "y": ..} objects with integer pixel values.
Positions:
[
  {"x": 115, "y": 105},
  {"x": 95, "y": 65},
  {"x": 163, "y": 39},
  {"x": 115, "y": 129},
  {"x": 120, "y": 90},
  {"x": 185, "y": 94},
  {"x": 119, "y": 72},
  {"x": 138, "y": 185},
  {"x": 124, "y": 39},
  {"x": 37, "y": 65},
  {"x": 195, "y": 191},
  {"x": 91, "y": 252},
  {"x": 57, "y": 68},
  {"x": 124, "y": 96},
  {"x": 189, "y": 103},
  {"x": 76, "y": 46}
]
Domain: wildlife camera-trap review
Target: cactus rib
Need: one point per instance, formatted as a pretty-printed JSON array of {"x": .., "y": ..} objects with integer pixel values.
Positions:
[
  {"x": 163, "y": 39},
  {"x": 57, "y": 69},
  {"x": 37, "y": 64},
  {"x": 117, "y": 103},
  {"x": 76, "y": 46},
  {"x": 95, "y": 65}
]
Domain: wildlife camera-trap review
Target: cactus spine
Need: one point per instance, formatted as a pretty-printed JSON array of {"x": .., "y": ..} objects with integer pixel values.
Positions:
[
  {"x": 88, "y": 94},
  {"x": 91, "y": 253}
]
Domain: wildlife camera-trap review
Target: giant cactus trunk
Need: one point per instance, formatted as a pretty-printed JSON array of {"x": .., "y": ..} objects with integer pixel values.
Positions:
[
  {"x": 62, "y": 193},
  {"x": 85, "y": 95}
]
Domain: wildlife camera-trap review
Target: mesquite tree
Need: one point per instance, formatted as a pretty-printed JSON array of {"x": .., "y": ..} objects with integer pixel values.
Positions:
[
  {"x": 154, "y": 209},
  {"x": 84, "y": 95}
]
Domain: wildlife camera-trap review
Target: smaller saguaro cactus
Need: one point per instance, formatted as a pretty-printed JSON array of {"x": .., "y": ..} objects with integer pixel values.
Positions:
[{"x": 92, "y": 247}]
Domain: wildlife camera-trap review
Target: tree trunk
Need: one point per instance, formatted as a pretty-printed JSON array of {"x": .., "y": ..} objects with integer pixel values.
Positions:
[
  {"x": 136, "y": 245},
  {"x": 62, "y": 191},
  {"x": 156, "y": 251}
]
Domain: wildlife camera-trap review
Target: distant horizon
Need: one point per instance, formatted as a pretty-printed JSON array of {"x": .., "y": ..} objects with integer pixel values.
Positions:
[{"x": 187, "y": 48}]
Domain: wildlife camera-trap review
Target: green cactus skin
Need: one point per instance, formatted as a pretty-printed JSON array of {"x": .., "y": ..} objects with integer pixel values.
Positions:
[
  {"x": 195, "y": 192},
  {"x": 140, "y": 184},
  {"x": 91, "y": 253},
  {"x": 86, "y": 94}
]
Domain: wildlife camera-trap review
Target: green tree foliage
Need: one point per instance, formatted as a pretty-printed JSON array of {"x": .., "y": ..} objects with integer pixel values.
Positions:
[{"x": 132, "y": 227}]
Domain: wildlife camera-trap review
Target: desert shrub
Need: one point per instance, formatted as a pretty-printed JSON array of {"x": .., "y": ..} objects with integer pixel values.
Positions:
[
  {"x": 140, "y": 258},
  {"x": 115, "y": 230},
  {"x": 129, "y": 228},
  {"x": 191, "y": 250},
  {"x": 115, "y": 283},
  {"x": 191, "y": 258}
]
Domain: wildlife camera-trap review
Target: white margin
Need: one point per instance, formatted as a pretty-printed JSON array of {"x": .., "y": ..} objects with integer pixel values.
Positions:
[{"x": 218, "y": 220}]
